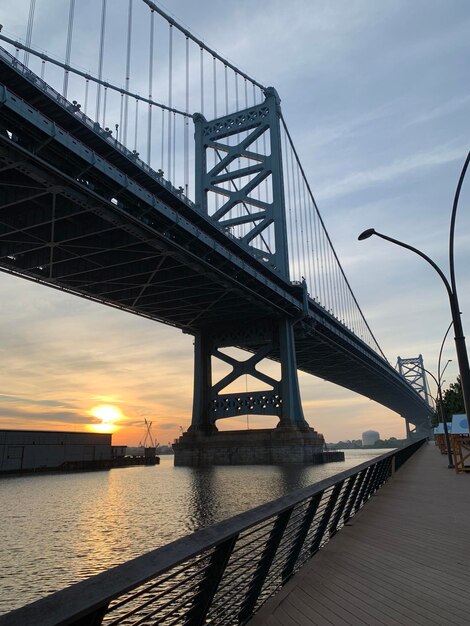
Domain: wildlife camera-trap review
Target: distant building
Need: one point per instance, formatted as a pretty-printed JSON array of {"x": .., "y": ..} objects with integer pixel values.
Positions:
[
  {"x": 369, "y": 437},
  {"x": 33, "y": 450}
]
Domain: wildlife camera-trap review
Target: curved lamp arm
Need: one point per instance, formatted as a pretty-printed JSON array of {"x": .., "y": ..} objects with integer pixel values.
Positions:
[
  {"x": 452, "y": 223},
  {"x": 371, "y": 231}
]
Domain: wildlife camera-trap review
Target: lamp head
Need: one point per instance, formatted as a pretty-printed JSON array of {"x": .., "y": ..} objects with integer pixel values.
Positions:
[{"x": 366, "y": 234}]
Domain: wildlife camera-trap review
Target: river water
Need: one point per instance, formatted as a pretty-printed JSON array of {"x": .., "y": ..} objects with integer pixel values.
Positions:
[{"x": 57, "y": 529}]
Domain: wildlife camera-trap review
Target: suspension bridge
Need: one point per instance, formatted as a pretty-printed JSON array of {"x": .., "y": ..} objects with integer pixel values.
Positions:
[{"x": 105, "y": 194}]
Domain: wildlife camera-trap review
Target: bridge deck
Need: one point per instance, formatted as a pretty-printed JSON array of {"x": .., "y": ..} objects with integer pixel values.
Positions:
[{"x": 402, "y": 560}]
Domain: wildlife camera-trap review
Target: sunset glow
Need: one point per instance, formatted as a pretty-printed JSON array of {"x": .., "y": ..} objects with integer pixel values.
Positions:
[{"x": 108, "y": 415}]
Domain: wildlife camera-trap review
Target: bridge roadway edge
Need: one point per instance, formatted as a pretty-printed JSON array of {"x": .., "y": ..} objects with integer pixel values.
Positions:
[{"x": 400, "y": 560}]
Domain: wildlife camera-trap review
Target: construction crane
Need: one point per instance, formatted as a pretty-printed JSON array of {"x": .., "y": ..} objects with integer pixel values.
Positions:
[{"x": 148, "y": 436}]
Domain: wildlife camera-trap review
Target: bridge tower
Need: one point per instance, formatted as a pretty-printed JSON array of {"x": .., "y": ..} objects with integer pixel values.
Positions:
[
  {"x": 412, "y": 369},
  {"x": 235, "y": 155}
]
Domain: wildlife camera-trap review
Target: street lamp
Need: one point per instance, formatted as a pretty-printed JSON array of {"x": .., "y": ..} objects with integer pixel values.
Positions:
[
  {"x": 439, "y": 382},
  {"x": 460, "y": 346}
]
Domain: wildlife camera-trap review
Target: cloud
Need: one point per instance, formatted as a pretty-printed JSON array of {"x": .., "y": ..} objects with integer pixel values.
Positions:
[
  {"x": 68, "y": 417},
  {"x": 402, "y": 167},
  {"x": 22, "y": 400},
  {"x": 447, "y": 108}
]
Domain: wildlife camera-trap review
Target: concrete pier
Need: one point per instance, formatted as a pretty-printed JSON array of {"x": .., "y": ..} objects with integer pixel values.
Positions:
[{"x": 269, "y": 446}]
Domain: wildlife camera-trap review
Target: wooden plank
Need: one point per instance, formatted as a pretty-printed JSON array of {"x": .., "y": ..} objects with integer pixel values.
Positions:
[
  {"x": 400, "y": 561},
  {"x": 393, "y": 580}
]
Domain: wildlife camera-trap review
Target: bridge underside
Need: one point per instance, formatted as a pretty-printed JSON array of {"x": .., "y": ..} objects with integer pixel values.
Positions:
[
  {"x": 53, "y": 232},
  {"x": 73, "y": 220}
]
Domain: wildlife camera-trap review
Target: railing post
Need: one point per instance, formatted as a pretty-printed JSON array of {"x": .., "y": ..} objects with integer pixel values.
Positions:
[
  {"x": 365, "y": 484},
  {"x": 202, "y": 600},
  {"x": 371, "y": 485},
  {"x": 322, "y": 526},
  {"x": 342, "y": 505},
  {"x": 301, "y": 535},
  {"x": 379, "y": 479},
  {"x": 352, "y": 501},
  {"x": 263, "y": 566},
  {"x": 393, "y": 468}
]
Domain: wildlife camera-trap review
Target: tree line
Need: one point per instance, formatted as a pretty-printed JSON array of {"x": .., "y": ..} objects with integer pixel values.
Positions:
[{"x": 452, "y": 403}]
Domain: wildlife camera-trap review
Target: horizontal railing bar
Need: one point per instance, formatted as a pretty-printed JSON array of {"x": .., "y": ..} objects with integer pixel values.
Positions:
[{"x": 84, "y": 597}]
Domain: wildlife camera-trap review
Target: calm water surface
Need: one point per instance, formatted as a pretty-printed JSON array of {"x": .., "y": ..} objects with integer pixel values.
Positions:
[{"x": 61, "y": 528}]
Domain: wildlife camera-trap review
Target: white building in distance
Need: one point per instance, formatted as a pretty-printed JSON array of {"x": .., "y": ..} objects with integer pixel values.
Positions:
[{"x": 369, "y": 437}]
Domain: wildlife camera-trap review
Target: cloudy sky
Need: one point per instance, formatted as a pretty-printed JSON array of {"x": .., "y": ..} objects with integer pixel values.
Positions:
[{"x": 376, "y": 96}]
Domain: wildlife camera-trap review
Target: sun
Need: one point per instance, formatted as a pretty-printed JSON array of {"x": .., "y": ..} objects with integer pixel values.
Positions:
[{"x": 108, "y": 415}]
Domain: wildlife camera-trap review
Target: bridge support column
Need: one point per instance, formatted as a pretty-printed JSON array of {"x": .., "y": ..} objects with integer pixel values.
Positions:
[
  {"x": 293, "y": 441},
  {"x": 408, "y": 430},
  {"x": 292, "y": 414},
  {"x": 210, "y": 403},
  {"x": 201, "y": 420}
]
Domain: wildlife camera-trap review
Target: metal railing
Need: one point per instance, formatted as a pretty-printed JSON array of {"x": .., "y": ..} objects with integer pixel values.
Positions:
[{"x": 221, "y": 574}]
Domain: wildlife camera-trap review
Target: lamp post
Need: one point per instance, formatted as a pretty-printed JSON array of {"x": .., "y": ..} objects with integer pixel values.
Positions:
[
  {"x": 438, "y": 382},
  {"x": 460, "y": 346}
]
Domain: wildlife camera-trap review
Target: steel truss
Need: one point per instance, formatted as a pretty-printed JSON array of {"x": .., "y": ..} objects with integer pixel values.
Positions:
[
  {"x": 233, "y": 140},
  {"x": 412, "y": 369},
  {"x": 210, "y": 403},
  {"x": 225, "y": 177}
]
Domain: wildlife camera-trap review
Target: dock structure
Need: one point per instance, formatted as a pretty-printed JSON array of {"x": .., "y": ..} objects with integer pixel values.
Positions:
[{"x": 402, "y": 560}]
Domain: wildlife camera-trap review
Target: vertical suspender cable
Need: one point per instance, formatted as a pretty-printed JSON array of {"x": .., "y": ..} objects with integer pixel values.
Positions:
[
  {"x": 100, "y": 60},
  {"x": 214, "y": 74},
  {"x": 324, "y": 302},
  {"x": 318, "y": 254},
  {"x": 87, "y": 88},
  {"x": 334, "y": 284},
  {"x": 246, "y": 101},
  {"x": 170, "y": 97},
  {"x": 29, "y": 30},
  {"x": 345, "y": 299},
  {"x": 226, "y": 90},
  {"x": 128, "y": 71},
  {"x": 186, "y": 126},
  {"x": 236, "y": 90},
  {"x": 136, "y": 127},
  {"x": 202, "y": 81},
  {"x": 302, "y": 266},
  {"x": 290, "y": 229},
  {"x": 43, "y": 69},
  {"x": 104, "y": 106},
  {"x": 174, "y": 148},
  {"x": 331, "y": 305},
  {"x": 296, "y": 216},
  {"x": 341, "y": 292},
  {"x": 308, "y": 257},
  {"x": 121, "y": 119},
  {"x": 313, "y": 286},
  {"x": 214, "y": 78},
  {"x": 68, "y": 48},
  {"x": 328, "y": 276},
  {"x": 149, "y": 121},
  {"x": 162, "y": 157},
  {"x": 237, "y": 107}
]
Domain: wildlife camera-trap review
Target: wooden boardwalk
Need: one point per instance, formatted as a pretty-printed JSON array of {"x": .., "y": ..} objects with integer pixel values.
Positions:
[{"x": 404, "y": 559}]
